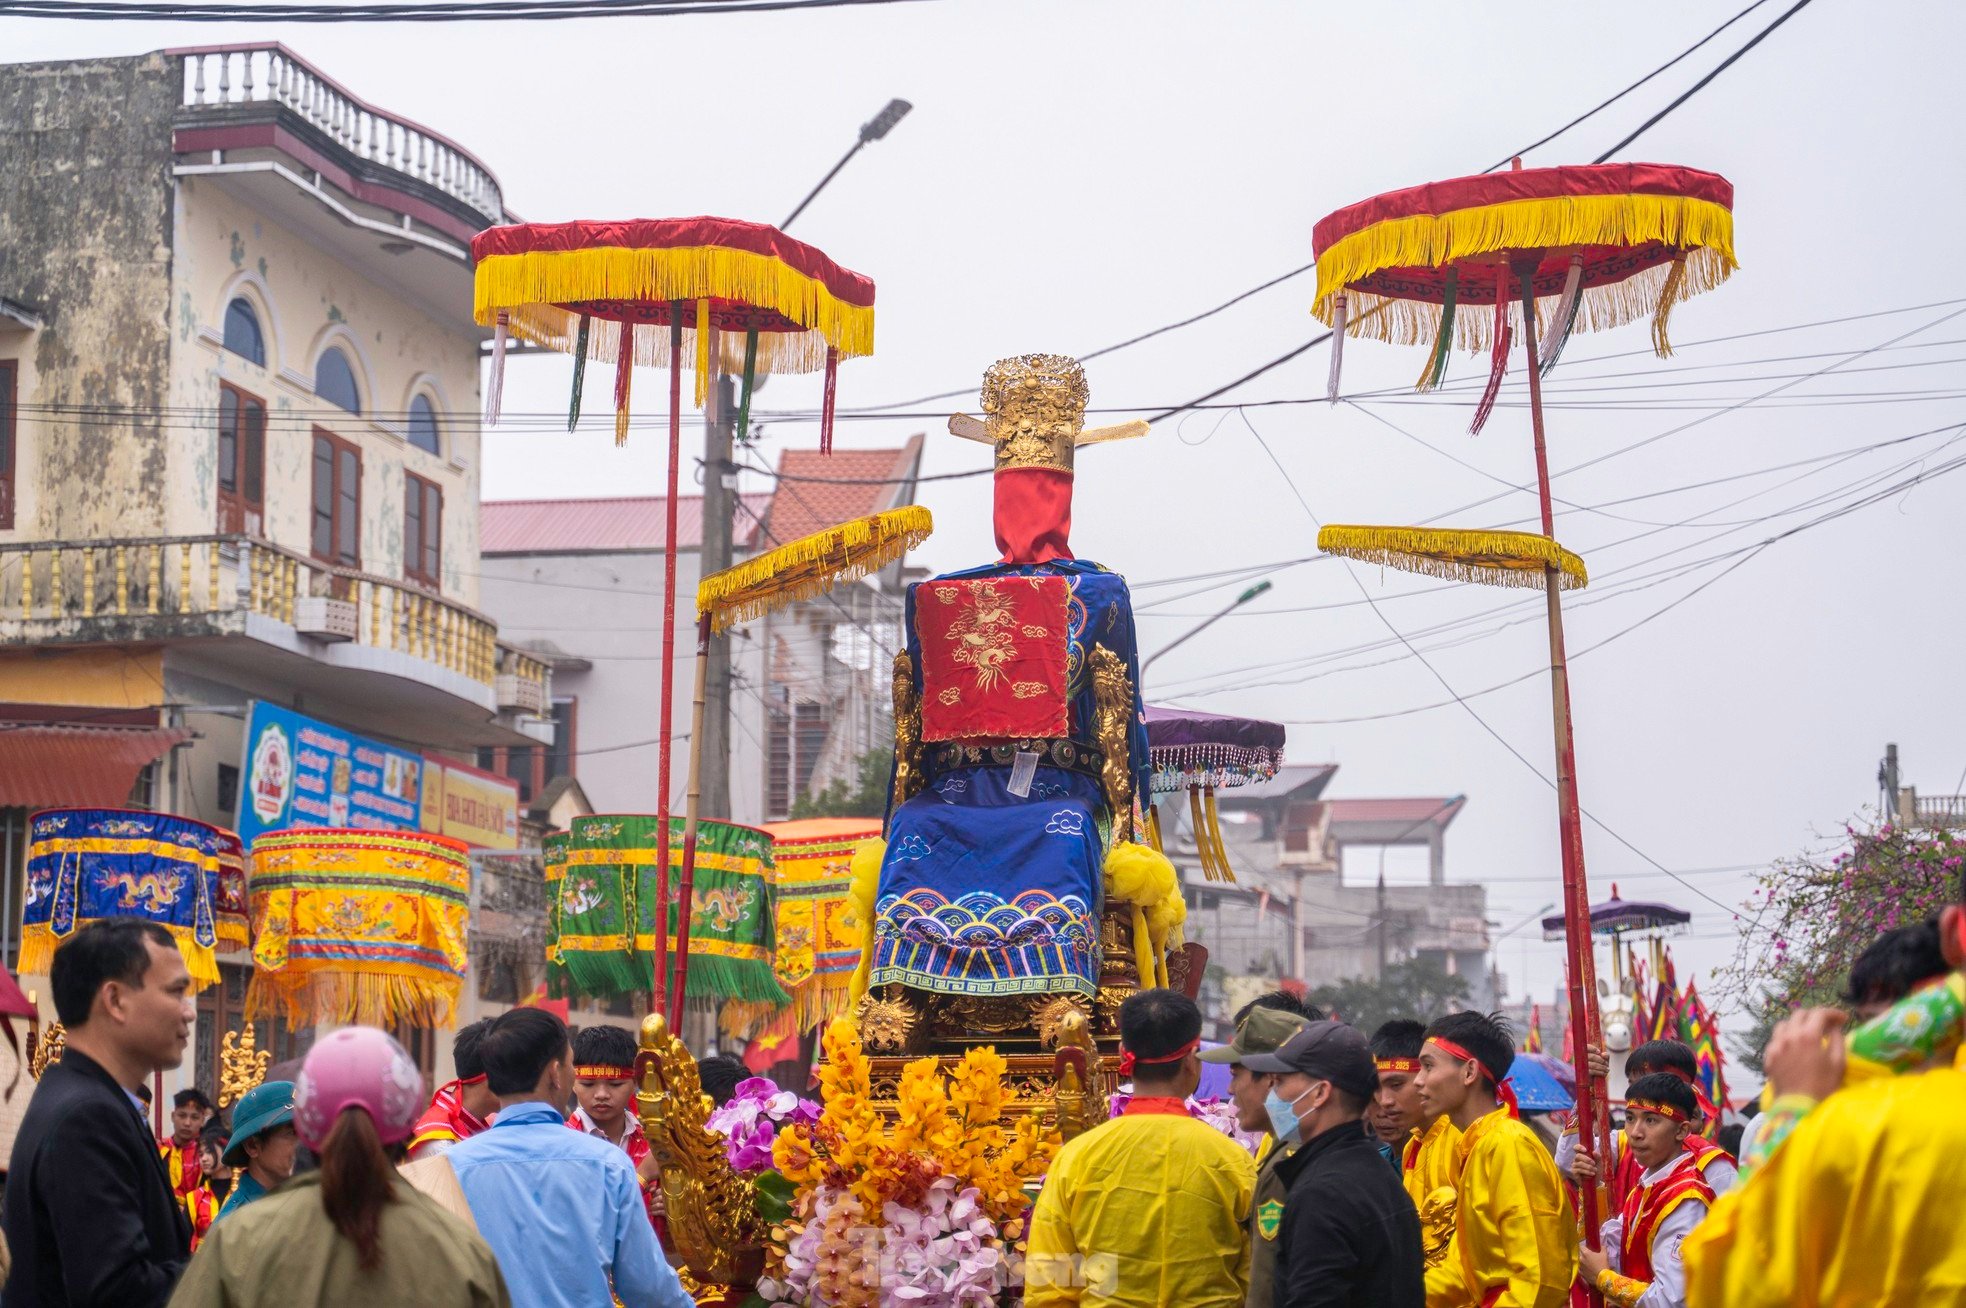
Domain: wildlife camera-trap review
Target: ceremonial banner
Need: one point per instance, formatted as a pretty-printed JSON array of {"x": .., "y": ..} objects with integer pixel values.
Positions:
[
  {"x": 88, "y": 864},
  {"x": 994, "y": 657},
  {"x": 605, "y": 937},
  {"x": 553, "y": 857},
  {"x": 229, "y": 898},
  {"x": 817, "y": 942},
  {"x": 358, "y": 927}
]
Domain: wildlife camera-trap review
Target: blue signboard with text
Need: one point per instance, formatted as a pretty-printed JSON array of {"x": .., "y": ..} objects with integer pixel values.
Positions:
[{"x": 302, "y": 772}]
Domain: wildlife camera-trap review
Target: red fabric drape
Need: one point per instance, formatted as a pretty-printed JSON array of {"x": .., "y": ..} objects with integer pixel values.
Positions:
[{"x": 1033, "y": 515}]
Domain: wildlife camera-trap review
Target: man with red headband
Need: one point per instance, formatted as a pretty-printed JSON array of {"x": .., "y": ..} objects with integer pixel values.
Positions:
[
  {"x": 1654, "y": 1057},
  {"x": 1147, "y": 1208},
  {"x": 1639, "y": 1265},
  {"x": 1514, "y": 1243},
  {"x": 461, "y": 1108},
  {"x": 1428, "y": 1142},
  {"x": 604, "y": 1086}
]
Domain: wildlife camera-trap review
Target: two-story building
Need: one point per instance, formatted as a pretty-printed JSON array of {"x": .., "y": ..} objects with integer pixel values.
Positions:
[{"x": 239, "y": 443}]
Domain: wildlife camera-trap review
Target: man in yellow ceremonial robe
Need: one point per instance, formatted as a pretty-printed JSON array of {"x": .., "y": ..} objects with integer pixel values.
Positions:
[
  {"x": 1861, "y": 1203},
  {"x": 1514, "y": 1242},
  {"x": 1149, "y": 1207}
]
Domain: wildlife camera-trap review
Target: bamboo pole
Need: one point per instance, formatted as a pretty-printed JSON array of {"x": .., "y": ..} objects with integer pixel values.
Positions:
[
  {"x": 690, "y": 804},
  {"x": 1580, "y": 970},
  {"x": 660, "y": 976}
]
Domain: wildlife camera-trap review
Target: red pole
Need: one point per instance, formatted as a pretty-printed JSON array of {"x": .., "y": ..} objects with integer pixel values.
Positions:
[
  {"x": 690, "y": 804},
  {"x": 664, "y": 745},
  {"x": 1582, "y": 981}
]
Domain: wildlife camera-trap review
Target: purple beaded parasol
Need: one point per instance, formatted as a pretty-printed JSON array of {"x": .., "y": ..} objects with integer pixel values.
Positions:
[
  {"x": 1615, "y": 917},
  {"x": 1202, "y": 753}
]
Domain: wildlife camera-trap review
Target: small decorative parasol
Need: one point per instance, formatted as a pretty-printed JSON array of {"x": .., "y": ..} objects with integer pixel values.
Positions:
[
  {"x": 1543, "y": 1084},
  {"x": 800, "y": 569},
  {"x": 588, "y": 287},
  {"x": 1499, "y": 558},
  {"x": 1476, "y": 261},
  {"x": 1615, "y": 917},
  {"x": 1201, "y": 753}
]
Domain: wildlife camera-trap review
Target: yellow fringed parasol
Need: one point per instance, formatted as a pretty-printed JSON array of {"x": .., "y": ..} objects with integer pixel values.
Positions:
[
  {"x": 810, "y": 565},
  {"x": 800, "y": 569},
  {"x": 1496, "y": 558}
]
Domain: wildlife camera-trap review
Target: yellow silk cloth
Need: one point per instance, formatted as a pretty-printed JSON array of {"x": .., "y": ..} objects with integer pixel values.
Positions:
[
  {"x": 1512, "y": 1225},
  {"x": 1860, "y": 1206},
  {"x": 1433, "y": 1167},
  {"x": 1144, "y": 1209}
]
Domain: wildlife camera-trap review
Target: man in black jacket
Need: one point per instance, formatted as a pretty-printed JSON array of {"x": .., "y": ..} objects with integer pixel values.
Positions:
[
  {"x": 90, "y": 1218},
  {"x": 1350, "y": 1236}
]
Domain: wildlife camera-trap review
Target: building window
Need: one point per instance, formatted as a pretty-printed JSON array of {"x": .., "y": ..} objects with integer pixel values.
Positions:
[
  {"x": 242, "y": 334},
  {"x": 423, "y": 531},
  {"x": 7, "y": 372},
  {"x": 334, "y": 381},
  {"x": 241, "y": 460},
  {"x": 423, "y": 425},
  {"x": 337, "y": 500},
  {"x": 535, "y": 766}
]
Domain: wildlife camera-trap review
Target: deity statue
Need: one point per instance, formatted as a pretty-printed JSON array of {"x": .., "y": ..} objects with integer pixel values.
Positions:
[{"x": 1020, "y": 756}]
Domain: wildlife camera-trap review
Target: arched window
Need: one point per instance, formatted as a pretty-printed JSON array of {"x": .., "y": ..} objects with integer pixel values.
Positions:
[
  {"x": 423, "y": 425},
  {"x": 334, "y": 381},
  {"x": 242, "y": 334}
]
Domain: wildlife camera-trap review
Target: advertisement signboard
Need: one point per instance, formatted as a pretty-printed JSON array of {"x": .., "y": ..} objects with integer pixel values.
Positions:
[
  {"x": 302, "y": 772},
  {"x": 479, "y": 808}
]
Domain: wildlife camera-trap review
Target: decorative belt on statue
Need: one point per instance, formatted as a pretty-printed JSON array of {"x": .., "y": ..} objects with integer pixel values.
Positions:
[{"x": 1057, "y": 753}]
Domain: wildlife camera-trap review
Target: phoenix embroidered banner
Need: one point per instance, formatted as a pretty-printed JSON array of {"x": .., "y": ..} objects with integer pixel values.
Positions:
[{"x": 817, "y": 941}]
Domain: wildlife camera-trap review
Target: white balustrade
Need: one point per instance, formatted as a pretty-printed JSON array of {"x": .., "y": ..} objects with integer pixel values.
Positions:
[{"x": 270, "y": 73}]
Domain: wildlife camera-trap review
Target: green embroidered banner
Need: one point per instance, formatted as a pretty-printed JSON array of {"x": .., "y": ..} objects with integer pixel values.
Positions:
[{"x": 602, "y": 904}]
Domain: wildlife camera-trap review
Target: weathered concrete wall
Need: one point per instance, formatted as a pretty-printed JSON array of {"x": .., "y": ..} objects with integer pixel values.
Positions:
[
  {"x": 85, "y": 213},
  {"x": 308, "y": 302}
]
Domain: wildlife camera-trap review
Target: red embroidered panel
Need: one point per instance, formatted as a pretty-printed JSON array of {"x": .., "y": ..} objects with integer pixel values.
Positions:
[{"x": 993, "y": 657}]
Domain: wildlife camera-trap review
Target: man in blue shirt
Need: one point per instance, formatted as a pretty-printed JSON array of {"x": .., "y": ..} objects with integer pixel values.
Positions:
[{"x": 562, "y": 1210}]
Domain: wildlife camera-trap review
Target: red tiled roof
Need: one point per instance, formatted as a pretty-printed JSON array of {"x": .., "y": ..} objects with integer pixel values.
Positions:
[
  {"x": 77, "y": 767},
  {"x": 624, "y": 523},
  {"x": 832, "y": 494},
  {"x": 1438, "y": 812}
]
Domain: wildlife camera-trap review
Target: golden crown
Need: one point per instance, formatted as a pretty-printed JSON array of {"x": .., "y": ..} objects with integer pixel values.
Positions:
[{"x": 1034, "y": 413}]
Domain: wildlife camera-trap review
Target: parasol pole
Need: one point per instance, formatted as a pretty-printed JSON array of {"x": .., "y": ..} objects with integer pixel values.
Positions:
[
  {"x": 660, "y": 973},
  {"x": 1576, "y": 899},
  {"x": 691, "y": 803}
]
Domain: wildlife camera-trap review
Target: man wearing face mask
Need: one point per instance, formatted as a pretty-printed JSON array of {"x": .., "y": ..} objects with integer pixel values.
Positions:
[
  {"x": 1261, "y": 1029},
  {"x": 1350, "y": 1236}
]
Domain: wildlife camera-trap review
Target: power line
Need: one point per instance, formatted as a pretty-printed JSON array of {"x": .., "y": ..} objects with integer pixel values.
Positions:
[
  {"x": 438, "y": 11},
  {"x": 1700, "y": 85}
]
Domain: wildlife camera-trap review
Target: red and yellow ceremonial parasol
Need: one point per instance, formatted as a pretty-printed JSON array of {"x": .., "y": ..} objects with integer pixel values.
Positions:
[
  {"x": 662, "y": 293},
  {"x": 1477, "y": 262}
]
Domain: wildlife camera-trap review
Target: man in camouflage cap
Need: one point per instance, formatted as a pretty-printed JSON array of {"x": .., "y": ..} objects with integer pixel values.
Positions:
[{"x": 1261, "y": 1028}]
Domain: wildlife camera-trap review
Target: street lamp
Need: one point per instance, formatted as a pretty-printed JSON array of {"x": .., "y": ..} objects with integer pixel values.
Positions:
[
  {"x": 872, "y": 130},
  {"x": 1205, "y": 624}
]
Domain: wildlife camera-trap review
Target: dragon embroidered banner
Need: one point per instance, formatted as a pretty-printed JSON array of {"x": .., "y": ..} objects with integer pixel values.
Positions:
[
  {"x": 87, "y": 864},
  {"x": 604, "y": 934},
  {"x": 993, "y": 657},
  {"x": 362, "y": 927}
]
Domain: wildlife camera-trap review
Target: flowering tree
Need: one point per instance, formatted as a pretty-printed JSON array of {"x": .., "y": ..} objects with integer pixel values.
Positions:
[{"x": 1814, "y": 913}]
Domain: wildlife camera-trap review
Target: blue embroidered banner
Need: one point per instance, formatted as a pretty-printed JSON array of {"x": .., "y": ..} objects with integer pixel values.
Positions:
[{"x": 84, "y": 865}]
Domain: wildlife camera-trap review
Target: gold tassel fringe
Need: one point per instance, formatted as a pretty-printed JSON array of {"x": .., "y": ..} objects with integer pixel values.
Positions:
[
  {"x": 810, "y": 565},
  {"x": 1496, "y": 558},
  {"x": 366, "y": 998},
  {"x": 1704, "y": 231},
  {"x": 1215, "y": 835},
  {"x": 702, "y": 352},
  {"x": 1674, "y": 290},
  {"x": 531, "y": 287},
  {"x": 38, "y": 945}
]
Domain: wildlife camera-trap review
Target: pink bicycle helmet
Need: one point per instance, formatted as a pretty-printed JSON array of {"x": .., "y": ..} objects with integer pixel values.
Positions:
[{"x": 357, "y": 1067}]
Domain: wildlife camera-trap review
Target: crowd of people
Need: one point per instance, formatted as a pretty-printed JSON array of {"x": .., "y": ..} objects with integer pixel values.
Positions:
[{"x": 1393, "y": 1169}]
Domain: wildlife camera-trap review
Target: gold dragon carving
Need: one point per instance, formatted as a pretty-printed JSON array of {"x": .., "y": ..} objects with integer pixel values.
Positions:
[
  {"x": 909, "y": 778},
  {"x": 712, "y": 1211},
  {"x": 1112, "y": 698}
]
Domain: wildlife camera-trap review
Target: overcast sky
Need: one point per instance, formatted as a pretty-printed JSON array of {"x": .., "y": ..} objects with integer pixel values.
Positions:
[{"x": 1073, "y": 174}]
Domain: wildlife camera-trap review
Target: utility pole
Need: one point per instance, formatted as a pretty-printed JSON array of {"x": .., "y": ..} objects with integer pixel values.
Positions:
[
  {"x": 1887, "y": 782},
  {"x": 719, "y": 505}
]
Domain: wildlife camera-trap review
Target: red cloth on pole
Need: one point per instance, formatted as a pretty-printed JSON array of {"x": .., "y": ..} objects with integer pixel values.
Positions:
[{"x": 1033, "y": 515}]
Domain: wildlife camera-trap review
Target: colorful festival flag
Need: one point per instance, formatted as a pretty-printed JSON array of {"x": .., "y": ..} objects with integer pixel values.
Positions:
[
  {"x": 1532, "y": 1037},
  {"x": 88, "y": 864}
]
